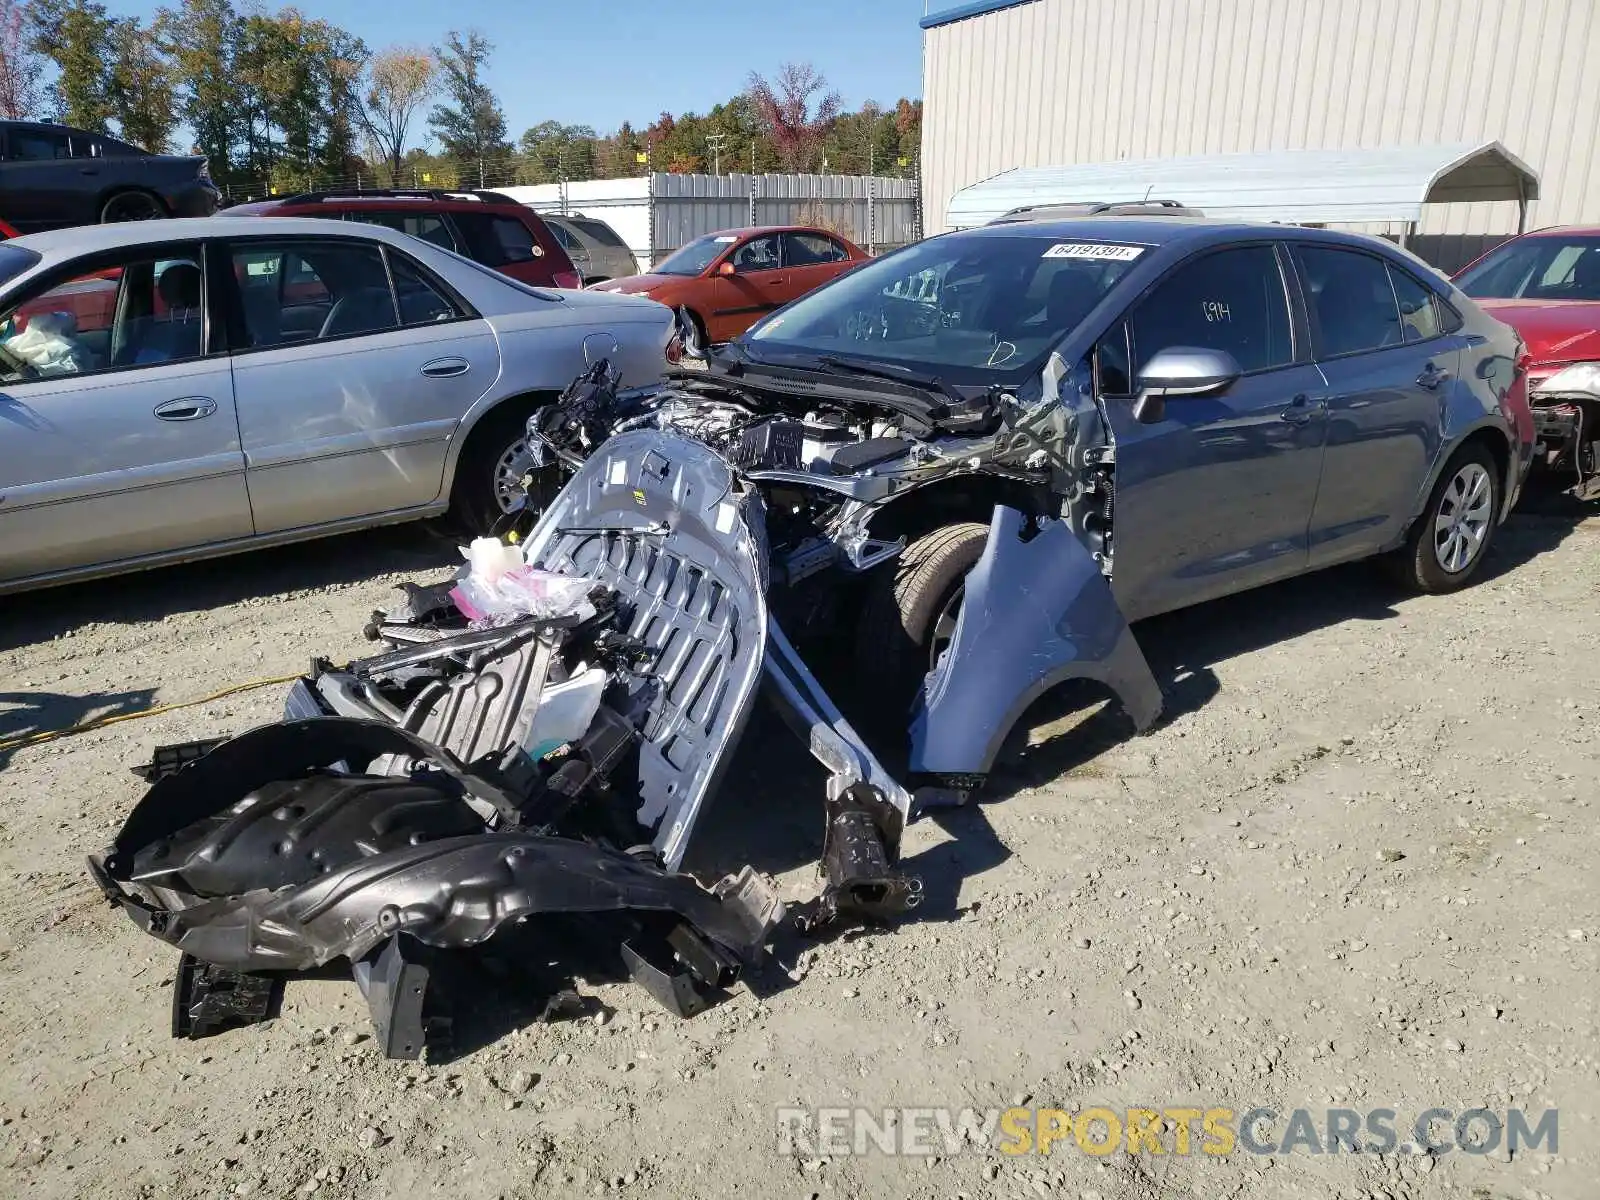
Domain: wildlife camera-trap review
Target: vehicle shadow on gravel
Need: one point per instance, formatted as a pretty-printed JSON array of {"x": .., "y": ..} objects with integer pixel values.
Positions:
[
  {"x": 260, "y": 575},
  {"x": 26, "y": 713}
]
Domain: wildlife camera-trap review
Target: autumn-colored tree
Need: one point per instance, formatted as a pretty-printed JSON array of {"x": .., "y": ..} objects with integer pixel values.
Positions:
[
  {"x": 21, "y": 66},
  {"x": 797, "y": 110},
  {"x": 399, "y": 80}
]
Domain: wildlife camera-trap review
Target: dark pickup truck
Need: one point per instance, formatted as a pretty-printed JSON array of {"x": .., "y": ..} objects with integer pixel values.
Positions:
[{"x": 54, "y": 176}]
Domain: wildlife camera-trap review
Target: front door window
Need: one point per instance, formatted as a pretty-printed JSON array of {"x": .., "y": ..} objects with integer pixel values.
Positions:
[{"x": 132, "y": 313}]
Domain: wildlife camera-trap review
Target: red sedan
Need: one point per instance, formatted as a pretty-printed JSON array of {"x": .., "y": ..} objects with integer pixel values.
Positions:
[
  {"x": 729, "y": 280},
  {"x": 1546, "y": 286}
]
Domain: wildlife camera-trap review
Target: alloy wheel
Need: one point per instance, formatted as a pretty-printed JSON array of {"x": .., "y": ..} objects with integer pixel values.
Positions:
[
  {"x": 515, "y": 462},
  {"x": 1462, "y": 522},
  {"x": 133, "y": 206}
]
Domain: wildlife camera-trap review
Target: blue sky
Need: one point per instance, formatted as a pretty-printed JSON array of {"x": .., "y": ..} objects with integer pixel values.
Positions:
[{"x": 605, "y": 61}]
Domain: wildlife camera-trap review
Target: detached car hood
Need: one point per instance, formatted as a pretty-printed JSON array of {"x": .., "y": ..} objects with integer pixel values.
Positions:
[{"x": 1556, "y": 331}]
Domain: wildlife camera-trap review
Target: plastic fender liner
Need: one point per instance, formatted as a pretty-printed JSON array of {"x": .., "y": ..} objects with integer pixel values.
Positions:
[
  {"x": 664, "y": 521},
  {"x": 1035, "y": 613},
  {"x": 240, "y": 765},
  {"x": 453, "y": 893}
]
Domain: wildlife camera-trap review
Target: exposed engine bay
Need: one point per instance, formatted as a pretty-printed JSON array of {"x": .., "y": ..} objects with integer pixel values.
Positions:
[
  {"x": 831, "y": 451},
  {"x": 1566, "y": 414}
]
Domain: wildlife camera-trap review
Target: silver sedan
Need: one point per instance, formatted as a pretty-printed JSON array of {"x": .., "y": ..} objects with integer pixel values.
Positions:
[{"x": 177, "y": 389}]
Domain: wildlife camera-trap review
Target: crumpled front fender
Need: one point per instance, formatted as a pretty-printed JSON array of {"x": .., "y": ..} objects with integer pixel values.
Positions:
[{"x": 1035, "y": 613}]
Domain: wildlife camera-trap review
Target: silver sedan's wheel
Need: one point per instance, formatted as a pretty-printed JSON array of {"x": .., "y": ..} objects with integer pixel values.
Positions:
[
  {"x": 514, "y": 462},
  {"x": 1462, "y": 521}
]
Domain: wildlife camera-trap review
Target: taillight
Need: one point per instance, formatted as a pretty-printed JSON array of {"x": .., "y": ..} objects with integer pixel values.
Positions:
[
  {"x": 568, "y": 279},
  {"x": 674, "y": 351}
]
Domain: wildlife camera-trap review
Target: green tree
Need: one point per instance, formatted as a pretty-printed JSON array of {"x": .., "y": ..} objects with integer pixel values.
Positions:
[
  {"x": 297, "y": 80},
  {"x": 200, "y": 40},
  {"x": 21, "y": 65},
  {"x": 73, "y": 34},
  {"x": 469, "y": 123},
  {"x": 139, "y": 86},
  {"x": 552, "y": 151}
]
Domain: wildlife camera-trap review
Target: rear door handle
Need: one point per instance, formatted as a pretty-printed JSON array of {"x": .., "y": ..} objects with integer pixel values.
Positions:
[
  {"x": 1432, "y": 376},
  {"x": 444, "y": 368},
  {"x": 188, "y": 408}
]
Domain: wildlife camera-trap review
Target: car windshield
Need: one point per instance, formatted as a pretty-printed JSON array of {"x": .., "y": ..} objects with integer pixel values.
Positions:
[
  {"x": 696, "y": 256},
  {"x": 1548, "y": 267},
  {"x": 981, "y": 304}
]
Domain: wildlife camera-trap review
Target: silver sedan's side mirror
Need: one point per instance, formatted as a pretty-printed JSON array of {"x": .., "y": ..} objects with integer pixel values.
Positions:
[{"x": 1181, "y": 371}]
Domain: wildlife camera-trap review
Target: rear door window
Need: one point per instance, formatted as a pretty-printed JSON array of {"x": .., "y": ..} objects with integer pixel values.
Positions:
[
  {"x": 311, "y": 291},
  {"x": 810, "y": 250},
  {"x": 1231, "y": 300},
  {"x": 600, "y": 232},
  {"x": 421, "y": 303},
  {"x": 1350, "y": 300},
  {"x": 497, "y": 241},
  {"x": 430, "y": 227},
  {"x": 1419, "y": 310}
]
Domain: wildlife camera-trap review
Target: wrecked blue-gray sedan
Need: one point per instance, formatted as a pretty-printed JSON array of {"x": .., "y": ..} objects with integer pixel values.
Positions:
[{"x": 971, "y": 464}]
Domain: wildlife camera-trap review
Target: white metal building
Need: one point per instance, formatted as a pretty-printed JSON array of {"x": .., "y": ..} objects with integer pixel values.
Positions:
[{"x": 1036, "y": 83}]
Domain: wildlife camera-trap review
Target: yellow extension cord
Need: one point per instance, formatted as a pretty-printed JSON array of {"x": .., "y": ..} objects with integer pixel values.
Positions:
[{"x": 50, "y": 735}]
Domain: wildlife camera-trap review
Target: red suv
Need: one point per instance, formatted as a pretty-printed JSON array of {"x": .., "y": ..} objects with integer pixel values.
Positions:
[{"x": 488, "y": 227}]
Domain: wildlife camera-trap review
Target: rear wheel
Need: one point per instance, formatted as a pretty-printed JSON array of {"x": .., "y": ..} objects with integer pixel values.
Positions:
[
  {"x": 132, "y": 206},
  {"x": 493, "y": 463},
  {"x": 1449, "y": 541}
]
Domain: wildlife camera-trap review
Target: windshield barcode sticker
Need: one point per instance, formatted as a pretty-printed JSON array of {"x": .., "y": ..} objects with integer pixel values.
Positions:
[{"x": 1091, "y": 250}]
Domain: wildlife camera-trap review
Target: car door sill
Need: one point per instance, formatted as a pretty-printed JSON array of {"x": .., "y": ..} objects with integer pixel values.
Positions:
[{"x": 168, "y": 558}]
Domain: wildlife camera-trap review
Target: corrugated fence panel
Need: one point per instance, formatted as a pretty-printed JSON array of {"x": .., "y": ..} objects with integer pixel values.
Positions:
[
  {"x": 1074, "y": 81},
  {"x": 877, "y": 212}
]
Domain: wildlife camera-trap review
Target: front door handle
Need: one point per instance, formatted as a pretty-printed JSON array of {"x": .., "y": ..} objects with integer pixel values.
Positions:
[
  {"x": 1301, "y": 409},
  {"x": 188, "y": 408},
  {"x": 444, "y": 368},
  {"x": 1432, "y": 376}
]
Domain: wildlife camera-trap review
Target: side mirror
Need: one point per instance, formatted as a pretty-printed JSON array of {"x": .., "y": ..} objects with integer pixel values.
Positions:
[
  {"x": 1181, "y": 371},
  {"x": 727, "y": 268}
]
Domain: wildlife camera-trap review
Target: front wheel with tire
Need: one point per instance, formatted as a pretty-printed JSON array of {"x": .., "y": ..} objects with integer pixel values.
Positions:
[
  {"x": 131, "y": 206},
  {"x": 1450, "y": 540},
  {"x": 911, "y": 608}
]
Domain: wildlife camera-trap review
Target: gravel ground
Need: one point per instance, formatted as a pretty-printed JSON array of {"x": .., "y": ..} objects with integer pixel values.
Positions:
[{"x": 1356, "y": 868}]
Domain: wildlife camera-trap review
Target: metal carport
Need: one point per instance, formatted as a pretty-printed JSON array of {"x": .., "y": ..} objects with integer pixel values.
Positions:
[{"x": 1296, "y": 187}]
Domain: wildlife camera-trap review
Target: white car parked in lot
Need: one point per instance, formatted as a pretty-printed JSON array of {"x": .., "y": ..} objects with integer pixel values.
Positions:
[{"x": 177, "y": 389}]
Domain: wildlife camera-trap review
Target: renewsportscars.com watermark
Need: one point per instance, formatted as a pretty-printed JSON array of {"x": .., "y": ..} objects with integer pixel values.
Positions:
[{"x": 1175, "y": 1130}]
